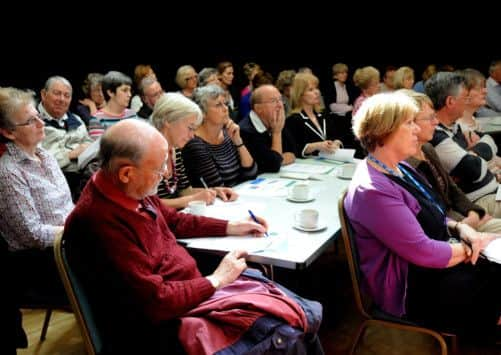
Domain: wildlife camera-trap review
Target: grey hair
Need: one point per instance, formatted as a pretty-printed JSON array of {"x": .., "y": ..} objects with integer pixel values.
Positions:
[
  {"x": 172, "y": 107},
  {"x": 206, "y": 93},
  {"x": 57, "y": 78},
  {"x": 204, "y": 74},
  {"x": 146, "y": 82},
  {"x": 442, "y": 85},
  {"x": 11, "y": 101}
]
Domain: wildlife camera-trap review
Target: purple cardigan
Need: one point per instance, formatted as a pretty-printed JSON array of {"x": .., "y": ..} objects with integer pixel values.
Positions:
[{"x": 388, "y": 236}]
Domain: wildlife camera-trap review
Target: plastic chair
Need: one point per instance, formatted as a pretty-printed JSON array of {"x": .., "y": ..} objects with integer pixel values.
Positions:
[
  {"x": 78, "y": 299},
  {"x": 371, "y": 313}
]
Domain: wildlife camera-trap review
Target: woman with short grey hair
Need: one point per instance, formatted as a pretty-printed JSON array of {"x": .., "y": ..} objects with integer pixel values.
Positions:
[
  {"x": 217, "y": 153},
  {"x": 177, "y": 118}
]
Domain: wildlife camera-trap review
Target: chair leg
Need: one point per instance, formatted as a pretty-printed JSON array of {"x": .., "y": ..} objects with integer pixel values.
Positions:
[
  {"x": 46, "y": 324},
  {"x": 358, "y": 335}
]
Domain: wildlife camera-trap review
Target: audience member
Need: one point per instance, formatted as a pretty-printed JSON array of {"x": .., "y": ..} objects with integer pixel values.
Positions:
[
  {"x": 387, "y": 84},
  {"x": 284, "y": 84},
  {"x": 339, "y": 93},
  {"x": 177, "y": 118},
  {"x": 409, "y": 267},
  {"x": 35, "y": 199},
  {"x": 250, "y": 71},
  {"x": 263, "y": 133},
  {"x": 367, "y": 80},
  {"x": 217, "y": 153},
  {"x": 93, "y": 97},
  {"x": 494, "y": 87},
  {"x": 208, "y": 76},
  {"x": 309, "y": 129},
  {"x": 144, "y": 287},
  {"x": 150, "y": 91},
  {"x": 427, "y": 73},
  {"x": 403, "y": 78},
  {"x": 140, "y": 71},
  {"x": 187, "y": 80}
]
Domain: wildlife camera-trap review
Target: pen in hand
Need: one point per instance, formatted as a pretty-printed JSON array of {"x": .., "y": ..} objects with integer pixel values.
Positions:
[
  {"x": 203, "y": 183},
  {"x": 255, "y": 220}
]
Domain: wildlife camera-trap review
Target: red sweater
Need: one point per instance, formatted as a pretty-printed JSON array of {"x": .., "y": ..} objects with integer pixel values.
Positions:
[{"x": 132, "y": 260}]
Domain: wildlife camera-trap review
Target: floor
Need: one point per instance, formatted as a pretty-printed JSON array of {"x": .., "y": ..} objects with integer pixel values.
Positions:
[{"x": 339, "y": 325}]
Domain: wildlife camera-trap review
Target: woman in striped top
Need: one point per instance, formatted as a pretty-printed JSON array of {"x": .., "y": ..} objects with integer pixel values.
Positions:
[
  {"x": 177, "y": 118},
  {"x": 217, "y": 153}
]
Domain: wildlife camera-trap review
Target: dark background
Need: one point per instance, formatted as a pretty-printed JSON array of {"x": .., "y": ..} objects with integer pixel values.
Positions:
[{"x": 307, "y": 36}]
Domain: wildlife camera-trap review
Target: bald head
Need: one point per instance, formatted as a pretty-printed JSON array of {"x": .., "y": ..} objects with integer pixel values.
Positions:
[
  {"x": 263, "y": 93},
  {"x": 130, "y": 139}
]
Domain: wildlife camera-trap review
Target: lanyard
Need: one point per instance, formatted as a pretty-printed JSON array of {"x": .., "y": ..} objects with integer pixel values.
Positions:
[{"x": 414, "y": 182}]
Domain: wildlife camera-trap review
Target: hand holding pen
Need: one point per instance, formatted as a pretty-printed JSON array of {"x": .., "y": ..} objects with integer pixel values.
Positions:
[{"x": 262, "y": 222}]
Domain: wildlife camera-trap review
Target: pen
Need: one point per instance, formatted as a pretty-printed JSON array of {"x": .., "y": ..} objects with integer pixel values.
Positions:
[
  {"x": 255, "y": 220},
  {"x": 203, "y": 183}
]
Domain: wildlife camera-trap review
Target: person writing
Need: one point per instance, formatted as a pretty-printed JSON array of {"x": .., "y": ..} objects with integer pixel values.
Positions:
[
  {"x": 144, "y": 287},
  {"x": 409, "y": 267}
]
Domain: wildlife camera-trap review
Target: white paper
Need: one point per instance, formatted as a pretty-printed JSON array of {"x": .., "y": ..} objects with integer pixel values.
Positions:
[
  {"x": 493, "y": 251},
  {"x": 306, "y": 168},
  {"x": 265, "y": 187},
  {"x": 88, "y": 154},
  {"x": 341, "y": 154}
]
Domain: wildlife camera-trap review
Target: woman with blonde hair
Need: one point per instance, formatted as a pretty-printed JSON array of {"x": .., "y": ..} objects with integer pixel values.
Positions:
[{"x": 308, "y": 125}]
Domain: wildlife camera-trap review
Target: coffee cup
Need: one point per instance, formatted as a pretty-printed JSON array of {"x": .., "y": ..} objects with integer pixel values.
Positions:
[
  {"x": 346, "y": 171},
  {"x": 307, "y": 218},
  {"x": 300, "y": 191},
  {"x": 197, "y": 207}
]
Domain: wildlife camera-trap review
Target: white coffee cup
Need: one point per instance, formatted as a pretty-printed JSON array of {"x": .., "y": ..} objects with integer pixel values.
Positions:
[
  {"x": 347, "y": 170},
  {"x": 300, "y": 191},
  {"x": 197, "y": 207},
  {"x": 307, "y": 218}
]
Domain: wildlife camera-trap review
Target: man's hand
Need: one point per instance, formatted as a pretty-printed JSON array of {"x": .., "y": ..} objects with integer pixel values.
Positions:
[
  {"x": 230, "y": 268},
  {"x": 247, "y": 227}
]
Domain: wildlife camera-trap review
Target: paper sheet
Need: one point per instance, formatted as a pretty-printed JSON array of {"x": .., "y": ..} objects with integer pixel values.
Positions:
[
  {"x": 344, "y": 155},
  {"x": 306, "y": 168},
  {"x": 493, "y": 251},
  {"x": 88, "y": 154}
]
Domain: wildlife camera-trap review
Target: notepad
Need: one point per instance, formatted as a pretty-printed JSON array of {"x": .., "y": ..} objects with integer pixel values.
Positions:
[
  {"x": 88, "y": 154},
  {"x": 341, "y": 154}
]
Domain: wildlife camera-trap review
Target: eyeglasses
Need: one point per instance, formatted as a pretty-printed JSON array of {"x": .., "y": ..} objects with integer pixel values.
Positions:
[
  {"x": 29, "y": 121},
  {"x": 191, "y": 77},
  {"x": 273, "y": 101},
  {"x": 429, "y": 118}
]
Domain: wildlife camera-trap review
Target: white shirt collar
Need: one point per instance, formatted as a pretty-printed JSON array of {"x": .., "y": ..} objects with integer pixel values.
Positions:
[
  {"x": 45, "y": 115},
  {"x": 257, "y": 122}
]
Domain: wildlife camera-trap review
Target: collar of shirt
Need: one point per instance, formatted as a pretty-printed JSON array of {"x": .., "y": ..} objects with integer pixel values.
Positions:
[
  {"x": 108, "y": 189},
  {"x": 45, "y": 115},
  {"x": 20, "y": 155},
  {"x": 257, "y": 123}
]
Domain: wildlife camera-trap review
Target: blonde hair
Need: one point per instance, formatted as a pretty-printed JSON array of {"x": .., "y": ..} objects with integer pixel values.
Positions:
[
  {"x": 364, "y": 76},
  {"x": 299, "y": 87},
  {"x": 380, "y": 115}
]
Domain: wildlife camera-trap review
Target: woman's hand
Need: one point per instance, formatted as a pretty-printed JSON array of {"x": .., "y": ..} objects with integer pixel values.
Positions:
[
  {"x": 233, "y": 131},
  {"x": 206, "y": 195},
  {"x": 226, "y": 193},
  {"x": 476, "y": 240}
]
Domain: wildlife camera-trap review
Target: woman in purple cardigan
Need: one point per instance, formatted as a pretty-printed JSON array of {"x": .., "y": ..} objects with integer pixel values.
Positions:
[{"x": 409, "y": 267}]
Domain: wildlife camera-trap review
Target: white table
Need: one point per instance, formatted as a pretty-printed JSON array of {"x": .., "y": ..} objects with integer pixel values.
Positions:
[{"x": 286, "y": 246}]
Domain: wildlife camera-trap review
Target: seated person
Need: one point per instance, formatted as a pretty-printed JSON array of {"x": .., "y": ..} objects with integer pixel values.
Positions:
[
  {"x": 150, "y": 90},
  {"x": 217, "y": 153},
  {"x": 310, "y": 130},
  {"x": 121, "y": 241},
  {"x": 409, "y": 267},
  {"x": 93, "y": 98},
  {"x": 35, "y": 198},
  {"x": 263, "y": 131},
  {"x": 177, "y": 118},
  {"x": 426, "y": 161},
  {"x": 117, "y": 91}
]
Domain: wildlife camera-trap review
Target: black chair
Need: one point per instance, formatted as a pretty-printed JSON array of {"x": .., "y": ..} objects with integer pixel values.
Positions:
[
  {"x": 371, "y": 314},
  {"x": 93, "y": 340}
]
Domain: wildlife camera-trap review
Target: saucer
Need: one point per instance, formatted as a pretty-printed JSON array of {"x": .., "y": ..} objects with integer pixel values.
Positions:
[
  {"x": 292, "y": 199},
  {"x": 321, "y": 225}
]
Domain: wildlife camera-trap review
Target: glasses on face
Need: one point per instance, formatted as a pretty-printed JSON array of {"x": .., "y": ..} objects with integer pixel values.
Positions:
[
  {"x": 155, "y": 95},
  {"x": 273, "y": 101},
  {"x": 33, "y": 119},
  {"x": 429, "y": 118},
  {"x": 193, "y": 77}
]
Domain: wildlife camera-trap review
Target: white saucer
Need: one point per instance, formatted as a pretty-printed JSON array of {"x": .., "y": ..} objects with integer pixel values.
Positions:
[
  {"x": 321, "y": 225},
  {"x": 292, "y": 199}
]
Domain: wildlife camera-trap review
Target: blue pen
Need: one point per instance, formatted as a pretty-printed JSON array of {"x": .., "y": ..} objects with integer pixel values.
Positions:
[{"x": 255, "y": 220}]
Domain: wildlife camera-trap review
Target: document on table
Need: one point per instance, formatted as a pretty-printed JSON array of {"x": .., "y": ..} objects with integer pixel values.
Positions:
[
  {"x": 306, "y": 168},
  {"x": 265, "y": 187},
  {"x": 250, "y": 244},
  {"x": 341, "y": 154},
  {"x": 493, "y": 251}
]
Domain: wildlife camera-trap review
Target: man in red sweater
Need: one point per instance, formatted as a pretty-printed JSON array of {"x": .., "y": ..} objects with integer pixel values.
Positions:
[{"x": 121, "y": 241}]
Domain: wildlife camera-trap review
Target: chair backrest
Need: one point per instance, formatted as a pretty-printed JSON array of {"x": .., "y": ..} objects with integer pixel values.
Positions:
[
  {"x": 79, "y": 301},
  {"x": 353, "y": 258}
]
